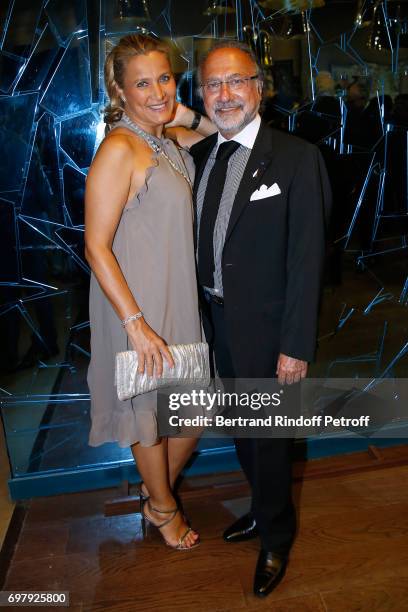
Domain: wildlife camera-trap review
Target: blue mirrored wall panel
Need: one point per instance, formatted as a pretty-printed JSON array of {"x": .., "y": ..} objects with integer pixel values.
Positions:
[
  {"x": 42, "y": 197},
  {"x": 66, "y": 18},
  {"x": 40, "y": 62},
  {"x": 22, "y": 27},
  {"x": 78, "y": 137},
  {"x": 69, "y": 91},
  {"x": 4, "y": 15},
  {"x": 10, "y": 69},
  {"x": 9, "y": 271},
  {"x": 321, "y": 63},
  {"x": 74, "y": 190},
  {"x": 16, "y": 130}
]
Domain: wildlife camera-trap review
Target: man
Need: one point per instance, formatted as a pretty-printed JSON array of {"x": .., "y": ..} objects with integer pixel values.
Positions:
[{"x": 259, "y": 197}]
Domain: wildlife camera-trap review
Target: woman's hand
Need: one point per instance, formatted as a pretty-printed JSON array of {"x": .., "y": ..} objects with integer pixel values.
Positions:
[
  {"x": 182, "y": 116},
  {"x": 150, "y": 348}
]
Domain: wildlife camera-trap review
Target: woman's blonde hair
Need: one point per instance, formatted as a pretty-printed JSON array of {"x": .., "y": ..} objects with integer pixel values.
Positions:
[{"x": 115, "y": 65}]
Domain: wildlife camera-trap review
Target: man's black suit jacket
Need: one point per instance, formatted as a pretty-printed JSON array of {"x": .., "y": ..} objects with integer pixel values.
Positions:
[{"x": 274, "y": 249}]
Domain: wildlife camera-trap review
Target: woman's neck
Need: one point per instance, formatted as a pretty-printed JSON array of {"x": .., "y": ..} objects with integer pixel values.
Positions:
[{"x": 154, "y": 130}]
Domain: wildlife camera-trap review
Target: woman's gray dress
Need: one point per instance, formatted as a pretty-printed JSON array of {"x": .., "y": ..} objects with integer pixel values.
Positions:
[{"x": 155, "y": 250}]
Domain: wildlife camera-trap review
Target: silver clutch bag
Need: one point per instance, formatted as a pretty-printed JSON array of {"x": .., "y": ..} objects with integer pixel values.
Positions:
[{"x": 191, "y": 367}]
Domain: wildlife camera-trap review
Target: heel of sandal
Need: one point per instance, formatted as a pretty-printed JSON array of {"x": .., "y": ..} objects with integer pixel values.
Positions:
[{"x": 146, "y": 520}]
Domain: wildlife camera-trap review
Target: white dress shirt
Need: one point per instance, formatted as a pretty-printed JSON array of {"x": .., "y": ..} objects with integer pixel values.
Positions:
[
  {"x": 236, "y": 168},
  {"x": 246, "y": 136}
]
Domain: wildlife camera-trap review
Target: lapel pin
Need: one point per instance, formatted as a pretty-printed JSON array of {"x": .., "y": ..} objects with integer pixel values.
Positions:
[{"x": 255, "y": 174}]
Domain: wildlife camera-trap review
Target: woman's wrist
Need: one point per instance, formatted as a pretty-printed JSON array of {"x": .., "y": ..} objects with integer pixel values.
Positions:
[
  {"x": 190, "y": 118},
  {"x": 196, "y": 120},
  {"x": 131, "y": 318},
  {"x": 187, "y": 118},
  {"x": 134, "y": 326}
]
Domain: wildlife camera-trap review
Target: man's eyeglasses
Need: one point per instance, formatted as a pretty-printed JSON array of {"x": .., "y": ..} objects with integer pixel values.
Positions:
[{"x": 234, "y": 83}]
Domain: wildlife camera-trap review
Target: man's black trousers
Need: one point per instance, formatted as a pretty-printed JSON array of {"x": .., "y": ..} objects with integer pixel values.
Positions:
[{"x": 266, "y": 462}]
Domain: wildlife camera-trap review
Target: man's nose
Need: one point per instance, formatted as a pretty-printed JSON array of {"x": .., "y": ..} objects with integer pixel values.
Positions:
[{"x": 225, "y": 92}]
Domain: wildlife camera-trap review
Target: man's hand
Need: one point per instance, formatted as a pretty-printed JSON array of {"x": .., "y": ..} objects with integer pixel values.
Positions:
[{"x": 290, "y": 370}]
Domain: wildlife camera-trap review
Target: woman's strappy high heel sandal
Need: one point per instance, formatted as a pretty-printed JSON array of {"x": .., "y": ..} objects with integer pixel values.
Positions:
[
  {"x": 146, "y": 520},
  {"x": 142, "y": 497}
]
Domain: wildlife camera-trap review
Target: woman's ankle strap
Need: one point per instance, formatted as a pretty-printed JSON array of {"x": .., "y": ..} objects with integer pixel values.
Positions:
[{"x": 161, "y": 511}]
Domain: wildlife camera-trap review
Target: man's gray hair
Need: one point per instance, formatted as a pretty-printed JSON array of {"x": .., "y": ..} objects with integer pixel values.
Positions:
[{"x": 226, "y": 43}]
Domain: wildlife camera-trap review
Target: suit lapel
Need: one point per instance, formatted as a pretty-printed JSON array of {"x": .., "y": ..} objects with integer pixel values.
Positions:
[
  {"x": 260, "y": 158},
  {"x": 200, "y": 160}
]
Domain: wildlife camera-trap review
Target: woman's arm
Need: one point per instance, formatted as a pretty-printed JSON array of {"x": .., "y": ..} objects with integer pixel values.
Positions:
[
  {"x": 111, "y": 179},
  {"x": 179, "y": 129}
]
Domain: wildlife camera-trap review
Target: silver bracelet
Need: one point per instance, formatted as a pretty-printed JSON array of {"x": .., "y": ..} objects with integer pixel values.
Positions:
[{"x": 133, "y": 317}]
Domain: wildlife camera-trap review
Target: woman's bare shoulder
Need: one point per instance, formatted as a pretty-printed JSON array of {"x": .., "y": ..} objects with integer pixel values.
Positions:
[
  {"x": 120, "y": 140},
  {"x": 114, "y": 156},
  {"x": 120, "y": 145},
  {"x": 114, "y": 146}
]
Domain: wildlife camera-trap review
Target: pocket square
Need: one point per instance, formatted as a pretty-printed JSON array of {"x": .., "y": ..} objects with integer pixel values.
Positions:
[{"x": 265, "y": 192}]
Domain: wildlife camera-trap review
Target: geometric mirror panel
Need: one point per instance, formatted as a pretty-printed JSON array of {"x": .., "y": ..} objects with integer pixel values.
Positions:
[
  {"x": 8, "y": 244},
  {"x": 74, "y": 184},
  {"x": 42, "y": 192},
  {"x": 10, "y": 69},
  {"x": 78, "y": 136},
  {"x": 22, "y": 27},
  {"x": 70, "y": 88},
  {"x": 17, "y": 114},
  {"x": 66, "y": 18},
  {"x": 39, "y": 63},
  {"x": 336, "y": 74}
]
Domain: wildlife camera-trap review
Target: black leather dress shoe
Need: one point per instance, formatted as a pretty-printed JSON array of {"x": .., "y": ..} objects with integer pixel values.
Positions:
[
  {"x": 243, "y": 529},
  {"x": 269, "y": 571}
]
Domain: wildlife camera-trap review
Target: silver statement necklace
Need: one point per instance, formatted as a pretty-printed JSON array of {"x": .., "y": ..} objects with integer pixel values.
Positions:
[{"x": 156, "y": 147}]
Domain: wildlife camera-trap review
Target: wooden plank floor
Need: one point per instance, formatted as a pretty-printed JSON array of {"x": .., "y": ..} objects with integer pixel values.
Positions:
[{"x": 351, "y": 552}]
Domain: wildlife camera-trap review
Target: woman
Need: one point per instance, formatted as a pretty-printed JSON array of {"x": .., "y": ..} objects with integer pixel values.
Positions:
[{"x": 139, "y": 244}]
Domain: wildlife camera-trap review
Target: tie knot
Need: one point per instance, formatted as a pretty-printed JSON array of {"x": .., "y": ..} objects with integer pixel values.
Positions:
[{"x": 226, "y": 149}]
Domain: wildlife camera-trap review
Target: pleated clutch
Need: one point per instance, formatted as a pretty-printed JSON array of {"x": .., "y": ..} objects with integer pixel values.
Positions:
[{"x": 191, "y": 367}]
